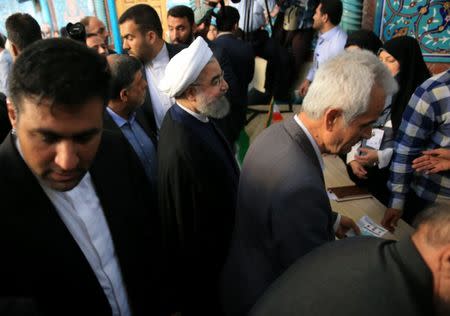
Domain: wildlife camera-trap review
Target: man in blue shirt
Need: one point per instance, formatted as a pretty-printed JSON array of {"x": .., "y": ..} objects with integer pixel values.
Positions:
[
  {"x": 127, "y": 92},
  {"x": 331, "y": 39}
]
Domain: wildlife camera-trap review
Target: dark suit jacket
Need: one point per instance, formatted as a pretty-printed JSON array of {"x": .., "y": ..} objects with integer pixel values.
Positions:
[
  {"x": 357, "y": 276},
  {"x": 147, "y": 108},
  {"x": 283, "y": 212},
  {"x": 242, "y": 60},
  {"x": 42, "y": 267},
  {"x": 239, "y": 73}
]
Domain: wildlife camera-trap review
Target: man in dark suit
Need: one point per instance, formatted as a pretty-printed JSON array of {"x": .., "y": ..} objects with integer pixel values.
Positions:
[
  {"x": 21, "y": 30},
  {"x": 141, "y": 31},
  {"x": 197, "y": 177},
  {"x": 283, "y": 210},
  {"x": 78, "y": 234},
  {"x": 369, "y": 276},
  {"x": 127, "y": 93},
  {"x": 242, "y": 61}
]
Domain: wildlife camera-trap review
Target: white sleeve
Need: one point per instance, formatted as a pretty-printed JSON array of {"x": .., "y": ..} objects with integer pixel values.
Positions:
[
  {"x": 384, "y": 157},
  {"x": 337, "y": 222},
  {"x": 353, "y": 152}
]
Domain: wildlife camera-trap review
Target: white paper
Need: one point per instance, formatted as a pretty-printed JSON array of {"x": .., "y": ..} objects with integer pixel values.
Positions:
[
  {"x": 376, "y": 139},
  {"x": 370, "y": 228}
]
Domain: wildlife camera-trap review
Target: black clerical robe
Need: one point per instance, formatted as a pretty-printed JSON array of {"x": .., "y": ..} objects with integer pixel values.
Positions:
[{"x": 197, "y": 187}]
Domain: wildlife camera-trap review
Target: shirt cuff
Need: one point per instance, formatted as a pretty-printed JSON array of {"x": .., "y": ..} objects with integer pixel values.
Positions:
[
  {"x": 384, "y": 157},
  {"x": 310, "y": 75},
  {"x": 337, "y": 222},
  {"x": 353, "y": 152},
  {"x": 397, "y": 201}
]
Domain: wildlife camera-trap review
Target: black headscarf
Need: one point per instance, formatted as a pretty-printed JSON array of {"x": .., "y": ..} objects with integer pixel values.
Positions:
[
  {"x": 364, "y": 39},
  {"x": 413, "y": 71}
]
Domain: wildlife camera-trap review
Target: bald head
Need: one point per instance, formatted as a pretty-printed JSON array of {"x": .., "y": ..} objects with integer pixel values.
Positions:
[
  {"x": 123, "y": 71},
  {"x": 93, "y": 25},
  {"x": 432, "y": 240}
]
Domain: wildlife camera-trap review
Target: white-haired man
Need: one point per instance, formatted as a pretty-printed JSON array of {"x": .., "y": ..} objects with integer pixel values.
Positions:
[
  {"x": 283, "y": 211},
  {"x": 197, "y": 176}
]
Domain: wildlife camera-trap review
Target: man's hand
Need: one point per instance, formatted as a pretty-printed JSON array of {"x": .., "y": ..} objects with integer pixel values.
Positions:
[
  {"x": 369, "y": 158},
  {"x": 390, "y": 219},
  {"x": 358, "y": 170},
  {"x": 433, "y": 161},
  {"x": 303, "y": 89},
  {"x": 345, "y": 225}
]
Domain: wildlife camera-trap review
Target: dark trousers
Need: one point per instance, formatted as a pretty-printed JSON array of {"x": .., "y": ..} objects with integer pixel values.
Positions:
[
  {"x": 413, "y": 206},
  {"x": 376, "y": 182}
]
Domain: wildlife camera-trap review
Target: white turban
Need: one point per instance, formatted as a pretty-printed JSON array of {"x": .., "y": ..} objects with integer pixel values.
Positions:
[{"x": 185, "y": 67}]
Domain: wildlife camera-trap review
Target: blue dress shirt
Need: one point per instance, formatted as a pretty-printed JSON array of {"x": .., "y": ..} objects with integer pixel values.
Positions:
[{"x": 140, "y": 141}]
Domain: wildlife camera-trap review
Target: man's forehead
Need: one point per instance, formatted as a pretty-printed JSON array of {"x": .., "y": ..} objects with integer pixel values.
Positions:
[
  {"x": 177, "y": 20},
  {"x": 129, "y": 26}
]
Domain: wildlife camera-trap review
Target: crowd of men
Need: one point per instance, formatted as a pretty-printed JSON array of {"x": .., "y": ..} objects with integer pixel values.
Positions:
[{"x": 122, "y": 195}]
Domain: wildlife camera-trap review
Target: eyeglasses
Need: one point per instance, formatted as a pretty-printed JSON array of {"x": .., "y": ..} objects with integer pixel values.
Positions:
[{"x": 215, "y": 81}]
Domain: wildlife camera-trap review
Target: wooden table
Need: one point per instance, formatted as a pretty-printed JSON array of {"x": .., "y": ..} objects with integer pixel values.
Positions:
[{"x": 336, "y": 175}]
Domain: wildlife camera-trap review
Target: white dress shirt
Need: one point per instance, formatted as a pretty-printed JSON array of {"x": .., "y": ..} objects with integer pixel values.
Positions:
[
  {"x": 329, "y": 44},
  {"x": 81, "y": 212},
  {"x": 257, "y": 18},
  {"x": 154, "y": 71}
]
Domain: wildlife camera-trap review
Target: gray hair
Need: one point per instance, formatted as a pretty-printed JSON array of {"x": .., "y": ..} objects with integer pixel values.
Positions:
[
  {"x": 437, "y": 217},
  {"x": 345, "y": 82}
]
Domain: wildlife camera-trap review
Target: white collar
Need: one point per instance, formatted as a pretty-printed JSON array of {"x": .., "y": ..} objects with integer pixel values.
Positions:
[
  {"x": 161, "y": 59},
  {"x": 201, "y": 117},
  {"x": 312, "y": 141},
  {"x": 224, "y": 33},
  {"x": 330, "y": 33}
]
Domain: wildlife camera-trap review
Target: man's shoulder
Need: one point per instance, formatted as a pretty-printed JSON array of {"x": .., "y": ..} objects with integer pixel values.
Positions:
[
  {"x": 441, "y": 80},
  {"x": 173, "y": 49}
]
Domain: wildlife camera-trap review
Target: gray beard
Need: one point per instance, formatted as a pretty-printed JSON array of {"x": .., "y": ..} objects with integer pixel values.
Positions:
[{"x": 216, "y": 109}]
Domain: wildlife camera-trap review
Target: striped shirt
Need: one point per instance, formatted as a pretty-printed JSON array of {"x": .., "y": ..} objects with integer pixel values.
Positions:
[{"x": 425, "y": 125}]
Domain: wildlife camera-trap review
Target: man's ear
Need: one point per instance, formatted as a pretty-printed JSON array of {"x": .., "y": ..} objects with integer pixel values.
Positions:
[
  {"x": 12, "y": 114},
  {"x": 14, "y": 50},
  {"x": 332, "y": 117},
  {"x": 445, "y": 262},
  {"x": 123, "y": 95},
  {"x": 151, "y": 37},
  {"x": 191, "y": 94}
]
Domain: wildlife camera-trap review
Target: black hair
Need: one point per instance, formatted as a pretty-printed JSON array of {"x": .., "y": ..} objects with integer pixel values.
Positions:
[
  {"x": 22, "y": 30},
  {"x": 227, "y": 18},
  {"x": 2, "y": 40},
  {"x": 364, "y": 39},
  {"x": 333, "y": 8},
  {"x": 61, "y": 71},
  {"x": 413, "y": 72},
  {"x": 145, "y": 17},
  {"x": 123, "y": 70},
  {"x": 182, "y": 11}
]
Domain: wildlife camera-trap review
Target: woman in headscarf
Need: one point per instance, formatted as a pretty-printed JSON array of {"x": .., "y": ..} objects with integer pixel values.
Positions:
[{"x": 369, "y": 160}]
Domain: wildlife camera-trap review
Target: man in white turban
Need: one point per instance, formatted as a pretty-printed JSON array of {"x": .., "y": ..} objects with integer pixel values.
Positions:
[{"x": 197, "y": 177}]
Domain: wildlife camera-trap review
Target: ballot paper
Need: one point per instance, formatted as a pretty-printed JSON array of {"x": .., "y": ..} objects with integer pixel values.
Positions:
[
  {"x": 376, "y": 139},
  {"x": 368, "y": 228}
]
